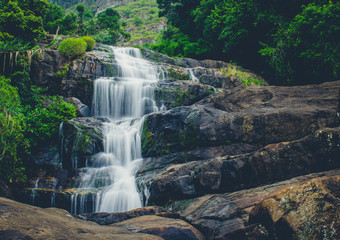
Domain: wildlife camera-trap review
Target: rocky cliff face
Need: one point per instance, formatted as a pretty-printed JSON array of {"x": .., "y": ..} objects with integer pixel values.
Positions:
[{"x": 224, "y": 142}]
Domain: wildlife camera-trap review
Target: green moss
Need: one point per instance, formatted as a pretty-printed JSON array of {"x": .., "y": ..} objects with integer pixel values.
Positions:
[
  {"x": 177, "y": 76},
  {"x": 147, "y": 140},
  {"x": 247, "y": 79},
  {"x": 63, "y": 73},
  {"x": 252, "y": 81}
]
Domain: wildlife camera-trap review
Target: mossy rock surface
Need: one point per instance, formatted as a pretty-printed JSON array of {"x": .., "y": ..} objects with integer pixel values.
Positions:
[
  {"x": 181, "y": 93},
  {"x": 82, "y": 138}
]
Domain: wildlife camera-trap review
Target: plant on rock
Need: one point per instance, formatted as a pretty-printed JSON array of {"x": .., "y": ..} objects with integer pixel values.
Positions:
[
  {"x": 90, "y": 42},
  {"x": 72, "y": 47}
]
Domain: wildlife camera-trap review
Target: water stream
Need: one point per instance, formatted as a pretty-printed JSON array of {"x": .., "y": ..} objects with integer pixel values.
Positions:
[{"x": 108, "y": 184}]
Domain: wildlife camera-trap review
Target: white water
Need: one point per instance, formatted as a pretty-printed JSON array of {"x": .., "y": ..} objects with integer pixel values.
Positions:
[
  {"x": 125, "y": 99},
  {"x": 192, "y": 76},
  {"x": 34, "y": 192}
]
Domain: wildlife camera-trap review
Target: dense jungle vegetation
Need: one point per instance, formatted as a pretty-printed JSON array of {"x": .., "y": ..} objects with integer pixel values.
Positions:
[{"x": 287, "y": 42}]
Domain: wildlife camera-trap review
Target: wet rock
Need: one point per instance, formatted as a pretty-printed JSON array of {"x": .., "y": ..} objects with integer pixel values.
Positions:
[
  {"x": 260, "y": 115},
  {"x": 166, "y": 228},
  {"x": 21, "y": 221},
  {"x": 176, "y": 182},
  {"x": 47, "y": 156},
  {"x": 274, "y": 162},
  {"x": 81, "y": 139},
  {"x": 159, "y": 58},
  {"x": 226, "y": 216},
  {"x": 81, "y": 74},
  {"x": 82, "y": 109},
  {"x": 44, "y": 70},
  {"x": 110, "y": 218},
  {"x": 181, "y": 93},
  {"x": 72, "y": 79},
  {"x": 5, "y": 190},
  {"x": 215, "y": 73},
  {"x": 308, "y": 210}
]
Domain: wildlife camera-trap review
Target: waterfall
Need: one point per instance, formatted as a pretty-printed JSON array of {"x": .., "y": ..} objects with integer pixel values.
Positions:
[
  {"x": 125, "y": 99},
  {"x": 192, "y": 76}
]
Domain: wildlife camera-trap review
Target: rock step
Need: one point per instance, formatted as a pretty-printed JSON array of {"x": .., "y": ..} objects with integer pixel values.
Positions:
[{"x": 226, "y": 216}]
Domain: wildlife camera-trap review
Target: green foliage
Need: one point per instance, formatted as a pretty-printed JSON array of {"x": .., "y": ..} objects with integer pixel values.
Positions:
[
  {"x": 308, "y": 48},
  {"x": 53, "y": 18},
  {"x": 72, "y": 47},
  {"x": 90, "y": 42},
  {"x": 178, "y": 44},
  {"x": 109, "y": 19},
  {"x": 63, "y": 73},
  {"x": 14, "y": 44},
  {"x": 12, "y": 127},
  {"x": 22, "y": 128},
  {"x": 9, "y": 98},
  {"x": 141, "y": 20},
  {"x": 252, "y": 81},
  {"x": 285, "y": 41},
  {"x": 80, "y": 9},
  {"x": 43, "y": 122},
  {"x": 137, "y": 21},
  {"x": 18, "y": 19},
  {"x": 68, "y": 24}
]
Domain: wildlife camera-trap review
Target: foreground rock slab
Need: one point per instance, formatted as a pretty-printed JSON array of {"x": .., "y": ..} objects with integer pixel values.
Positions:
[
  {"x": 21, "y": 221},
  {"x": 167, "y": 228},
  {"x": 104, "y": 218},
  {"x": 226, "y": 216},
  {"x": 309, "y": 210}
]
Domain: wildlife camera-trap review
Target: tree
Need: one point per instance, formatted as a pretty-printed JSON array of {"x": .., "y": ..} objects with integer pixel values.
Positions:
[
  {"x": 109, "y": 21},
  {"x": 52, "y": 18},
  {"x": 80, "y": 9},
  {"x": 254, "y": 33},
  {"x": 307, "y": 50},
  {"x": 16, "y": 22}
]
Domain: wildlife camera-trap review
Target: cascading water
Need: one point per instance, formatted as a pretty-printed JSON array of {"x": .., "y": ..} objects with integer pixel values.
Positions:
[
  {"x": 192, "y": 76},
  {"x": 109, "y": 183}
]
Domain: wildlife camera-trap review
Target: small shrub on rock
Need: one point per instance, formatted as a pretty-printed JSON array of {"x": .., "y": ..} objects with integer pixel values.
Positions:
[
  {"x": 90, "y": 42},
  {"x": 72, "y": 47}
]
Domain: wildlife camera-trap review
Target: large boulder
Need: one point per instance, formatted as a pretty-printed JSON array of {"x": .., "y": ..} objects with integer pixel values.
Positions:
[
  {"x": 81, "y": 138},
  {"x": 104, "y": 218},
  {"x": 21, "y": 221},
  {"x": 181, "y": 93},
  {"x": 226, "y": 216},
  {"x": 215, "y": 73},
  {"x": 72, "y": 78},
  {"x": 82, "y": 109},
  {"x": 274, "y": 162},
  {"x": 166, "y": 228},
  {"x": 44, "y": 70},
  {"x": 309, "y": 210},
  {"x": 254, "y": 115}
]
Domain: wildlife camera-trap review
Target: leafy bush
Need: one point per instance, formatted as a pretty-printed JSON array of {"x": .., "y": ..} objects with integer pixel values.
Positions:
[
  {"x": 90, "y": 42},
  {"x": 12, "y": 127},
  {"x": 72, "y": 47},
  {"x": 44, "y": 121}
]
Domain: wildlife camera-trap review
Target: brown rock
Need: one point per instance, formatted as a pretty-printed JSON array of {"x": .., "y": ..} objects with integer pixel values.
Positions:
[
  {"x": 309, "y": 210},
  {"x": 225, "y": 216},
  {"x": 5, "y": 190},
  {"x": 166, "y": 228},
  {"x": 275, "y": 162},
  {"x": 260, "y": 115},
  {"x": 21, "y": 221},
  {"x": 104, "y": 218}
]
